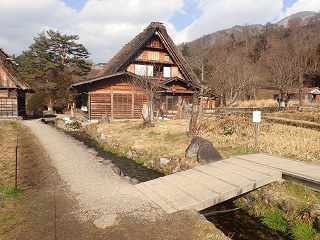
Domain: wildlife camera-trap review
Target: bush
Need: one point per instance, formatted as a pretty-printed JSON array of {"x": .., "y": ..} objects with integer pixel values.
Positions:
[
  {"x": 303, "y": 231},
  {"x": 37, "y": 102},
  {"x": 275, "y": 220}
]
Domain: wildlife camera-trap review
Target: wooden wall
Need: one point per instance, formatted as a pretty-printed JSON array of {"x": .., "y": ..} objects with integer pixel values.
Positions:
[
  {"x": 116, "y": 99},
  {"x": 8, "y": 107}
]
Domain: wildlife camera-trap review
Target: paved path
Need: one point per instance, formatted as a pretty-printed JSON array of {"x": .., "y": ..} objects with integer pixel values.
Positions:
[{"x": 97, "y": 189}]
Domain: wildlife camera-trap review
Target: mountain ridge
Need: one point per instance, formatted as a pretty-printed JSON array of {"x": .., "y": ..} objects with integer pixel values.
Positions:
[{"x": 252, "y": 29}]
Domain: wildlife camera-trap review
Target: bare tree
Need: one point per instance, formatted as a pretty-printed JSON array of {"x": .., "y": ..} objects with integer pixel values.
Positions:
[
  {"x": 146, "y": 84},
  {"x": 305, "y": 58},
  {"x": 231, "y": 74},
  {"x": 279, "y": 64}
]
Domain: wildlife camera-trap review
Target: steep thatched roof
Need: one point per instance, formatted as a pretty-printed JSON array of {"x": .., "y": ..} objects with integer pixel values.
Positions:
[
  {"x": 121, "y": 60},
  {"x": 8, "y": 66}
]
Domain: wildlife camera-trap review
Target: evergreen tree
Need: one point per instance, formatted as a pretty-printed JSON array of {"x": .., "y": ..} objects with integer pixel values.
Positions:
[{"x": 51, "y": 61}]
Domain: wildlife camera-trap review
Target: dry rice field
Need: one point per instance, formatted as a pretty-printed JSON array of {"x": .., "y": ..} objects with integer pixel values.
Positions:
[{"x": 230, "y": 135}]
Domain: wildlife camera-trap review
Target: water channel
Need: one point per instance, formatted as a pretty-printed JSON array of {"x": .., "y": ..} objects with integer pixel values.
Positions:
[{"x": 237, "y": 224}]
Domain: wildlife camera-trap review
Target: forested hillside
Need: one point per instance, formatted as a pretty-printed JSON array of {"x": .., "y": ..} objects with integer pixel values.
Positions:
[{"x": 236, "y": 62}]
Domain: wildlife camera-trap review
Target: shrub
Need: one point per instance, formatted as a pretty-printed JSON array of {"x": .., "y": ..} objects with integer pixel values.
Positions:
[
  {"x": 275, "y": 220},
  {"x": 303, "y": 231},
  {"x": 37, "y": 102}
]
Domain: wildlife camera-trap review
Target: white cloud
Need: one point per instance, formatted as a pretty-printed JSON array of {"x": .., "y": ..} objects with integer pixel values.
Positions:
[
  {"x": 21, "y": 20},
  {"x": 299, "y": 6},
  {"x": 104, "y": 26}
]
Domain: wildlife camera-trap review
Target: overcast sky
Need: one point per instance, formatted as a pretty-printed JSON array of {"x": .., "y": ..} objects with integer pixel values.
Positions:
[{"x": 104, "y": 26}]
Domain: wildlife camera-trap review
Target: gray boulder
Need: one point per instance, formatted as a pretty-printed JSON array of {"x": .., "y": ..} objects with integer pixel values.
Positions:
[
  {"x": 203, "y": 150},
  {"x": 193, "y": 148},
  {"x": 105, "y": 118},
  {"x": 107, "y": 221},
  {"x": 208, "y": 154}
]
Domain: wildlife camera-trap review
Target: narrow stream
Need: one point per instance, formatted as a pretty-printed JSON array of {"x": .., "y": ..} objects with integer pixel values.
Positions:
[
  {"x": 128, "y": 167},
  {"x": 238, "y": 224}
]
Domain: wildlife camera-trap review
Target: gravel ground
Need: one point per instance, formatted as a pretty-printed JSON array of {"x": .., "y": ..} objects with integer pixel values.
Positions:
[{"x": 96, "y": 188}]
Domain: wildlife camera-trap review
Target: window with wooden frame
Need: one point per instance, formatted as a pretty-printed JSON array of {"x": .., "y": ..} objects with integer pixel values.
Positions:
[{"x": 153, "y": 55}]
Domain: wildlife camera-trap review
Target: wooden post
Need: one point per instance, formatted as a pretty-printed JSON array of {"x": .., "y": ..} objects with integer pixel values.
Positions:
[
  {"x": 111, "y": 102},
  {"x": 16, "y": 173},
  {"x": 256, "y": 118},
  {"x": 132, "y": 104},
  {"x": 256, "y": 131}
]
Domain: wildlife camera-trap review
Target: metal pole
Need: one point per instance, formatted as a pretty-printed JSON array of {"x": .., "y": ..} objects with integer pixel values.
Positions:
[
  {"x": 89, "y": 107},
  {"x": 256, "y": 128}
]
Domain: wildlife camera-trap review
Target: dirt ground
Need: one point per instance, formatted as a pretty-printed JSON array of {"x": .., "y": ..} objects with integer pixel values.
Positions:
[{"x": 46, "y": 209}]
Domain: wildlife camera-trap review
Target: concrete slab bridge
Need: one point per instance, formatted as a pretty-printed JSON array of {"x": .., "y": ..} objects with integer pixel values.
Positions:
[{"x": 208, "y": 185}]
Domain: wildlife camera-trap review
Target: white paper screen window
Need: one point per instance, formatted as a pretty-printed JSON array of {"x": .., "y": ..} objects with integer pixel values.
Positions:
[
  {"x": 167, "y": 72},
  {"x": 143, "y": 70}
]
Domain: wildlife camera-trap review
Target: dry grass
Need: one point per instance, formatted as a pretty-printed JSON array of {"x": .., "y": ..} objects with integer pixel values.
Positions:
[
  {"x": 231, "y": 135},
  {"x": 311, "y": 115},
  {"x": 257, "y": 103},
  {"x": 271, "y": 103},
  {"x": 8, "y": 131},
  {"x": 167, "y": 137}
]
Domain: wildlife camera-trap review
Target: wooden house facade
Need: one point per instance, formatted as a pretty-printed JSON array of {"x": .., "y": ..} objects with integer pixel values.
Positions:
[
  {"x": 151, "y": 55},
  {"x": 12, "y": 89}
]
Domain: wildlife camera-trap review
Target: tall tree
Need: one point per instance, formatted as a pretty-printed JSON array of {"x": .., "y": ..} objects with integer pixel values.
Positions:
[{"x": 51, "y": 61}]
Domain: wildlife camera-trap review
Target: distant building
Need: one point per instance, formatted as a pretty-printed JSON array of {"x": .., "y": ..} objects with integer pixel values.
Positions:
[
  {"x": 151, "y": 55},
  {"x": 12, "y": 88},
  {"x": 310, "y": 94}
]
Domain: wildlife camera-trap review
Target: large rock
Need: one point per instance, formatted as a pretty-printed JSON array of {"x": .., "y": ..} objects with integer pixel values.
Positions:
[
  {"x": 208, "y": 154},
  {"x": 203, "y": 150},
  {"x": 193, "y": 148},
  {"x": 107, "y": 221}
]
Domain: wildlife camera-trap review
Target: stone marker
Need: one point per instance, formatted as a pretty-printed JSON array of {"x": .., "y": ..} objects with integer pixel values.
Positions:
[
  {"x": 107, "y": 221},
  {"x": 203, "y": 150},
  {"x": 105, "y": 118}
]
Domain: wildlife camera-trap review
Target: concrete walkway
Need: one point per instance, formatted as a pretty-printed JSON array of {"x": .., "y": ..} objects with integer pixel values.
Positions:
[
  {"x": 205, "y": 186},
  {"x": 96, "y": 188},
  {"x": 208, "y": 185},
  {"x": 298, "y": 171}
]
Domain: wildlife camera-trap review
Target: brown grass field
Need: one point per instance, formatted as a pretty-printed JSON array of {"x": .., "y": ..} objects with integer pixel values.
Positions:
[{"x": 230, "y": 135}]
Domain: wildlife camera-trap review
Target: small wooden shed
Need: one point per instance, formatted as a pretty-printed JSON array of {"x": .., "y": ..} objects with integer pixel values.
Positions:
[
  {"x": 12, "y": 88},
  {"x": 152, "y": 55}
]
